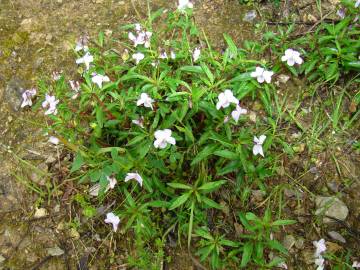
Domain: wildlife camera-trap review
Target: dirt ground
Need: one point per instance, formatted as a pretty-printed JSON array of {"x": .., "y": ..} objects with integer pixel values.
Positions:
[{"x": 35, "y": 40}]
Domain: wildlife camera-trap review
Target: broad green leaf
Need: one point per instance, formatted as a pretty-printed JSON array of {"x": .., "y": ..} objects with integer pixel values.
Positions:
[
  {"x": 231, "y": 44},
  {"x": 246, "y": 255},
  {"x": 283, "y": 222},
  {"x": 226, "y": 154},
  {"x": 211, "y": 203},
  {"x": 192, "y": 69},
  {"x": 207, "y": 151},
  {"x": 179, "y": 201},
  {"x": 212, "y": 185},
  {"x": 179, "y": 186},
  {"x": 77, "y": 163}
]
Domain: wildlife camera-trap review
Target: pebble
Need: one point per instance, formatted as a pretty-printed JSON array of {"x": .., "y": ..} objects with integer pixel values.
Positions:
[
  {"x": 55, "y": 251},
  {"x": 300, "y": 243},
  {"x": 331, "y": 206},
  {"x": 289, "y": 242},
  {"x": 40, "y": 212},
  {"x": 337, "y": 236},
  {"x": 250, "y": 16}
]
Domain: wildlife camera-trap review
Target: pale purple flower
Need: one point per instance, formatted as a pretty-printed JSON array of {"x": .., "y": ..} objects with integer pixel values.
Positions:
[
  {"x": 27, "y": 97},
  {"x": 319, "y": 261},
  {"x": 112, "y": 182},
  {"x": 145, "y": 100},
  {"x": 139, "y": 122},
  {"x": 262, "y": 75},
  {"x": 50, "y": 102},
  {"x": 320, "y": 247},
  {"x": 237, "y": 113},
  {"x": 258, "y": 142},
  {"x": 162, "y": 138},
  {"x": 75, "y": 86},
  {"x": 54, "y": 140},
  {"x": 138, "y": 57},
  {"x": 341, "y": 13},
  {"x": 357, "y": 3},
  {"x": 56, "y": 75},
  {"x": 99, "y": 79},
  {"x": 163, "y": 55},
  {"x": 111, "y": 218},
  {"x": 196, "y": 54},
  {"x": 356, "y": 264},
  {"x": 134, "y": 176},
  {"x": 141, "y": 37},
  {"x": 86, "y": 59},
  {"x": 292, "y": 57},
  {"x": 225, "y": 99}
]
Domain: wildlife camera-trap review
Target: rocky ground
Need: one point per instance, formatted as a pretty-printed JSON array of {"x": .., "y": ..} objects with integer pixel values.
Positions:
[{"x": 39, "y": 225}]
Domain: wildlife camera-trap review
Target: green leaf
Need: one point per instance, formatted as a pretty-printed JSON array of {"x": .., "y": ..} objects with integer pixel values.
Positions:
[
  {"x": 179, "y": 186},
  {"x": 231, "y": 44},
  {"x": 100, "y": 116},
  {"x": 158, "y": 204},
  {"x": 212, "y": 185},
  {"x": 77, "y": 163},
  {"x": 204, "y": 234},
  {"x": 208, "y": 72},
  {"x": 226, "y": 154},
  {"x": 179, "y": 201},
  {"x": 207, "y": 151},
  {"x": 276, "y": 245},
  {"x": 192, "y": 69},
  {"x": 247, "y": 252},
  {"x": 211, "y": 203}
]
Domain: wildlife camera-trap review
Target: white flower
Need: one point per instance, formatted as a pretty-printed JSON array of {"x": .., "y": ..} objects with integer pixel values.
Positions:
[
  {"x": 51, "y": 102},
  {"x": 81, "y": 44},
  {"x": 138, "y": 57},
  {"x": 86, "y": 59},
  {"x": 75, "y": 86},
  {"x": 162, "y": 138},
  {"x": 139, "y": 122},
  {"x": 163, "y": 55},
  {"x": 134, "y": 176},
  {"x": 282, "y": 265},
  {"x": 196, "y": 54},
  {"x": 112, "y": 182},
  {"x": 141, "y": 37},
  {"x": 258, "y": 142},
  {"x": 172, "y": 54},
  {"x": 27, "y": 95},
  {"x": 319, "y": 261},
  {"x": 356, "y": 264},
  {"x": 99, "y": 79},
  {"x": 54, "y": 140},
  {"x": 292, "y": 57},
  {"x": 225, "y": 99},
  {"x": 262, "y": 75},
  {"x": 357, "y": 4},
  {"x": 113, "y": 219},
  {"x": 155, "y": 63},
  {"x": 56, "y": 75},
  {"x": 183, "y": 4},
  {"x": 145, "y": 100},
  {"x": 320, "y": 247},
  {"x": 237, "y": 113}
]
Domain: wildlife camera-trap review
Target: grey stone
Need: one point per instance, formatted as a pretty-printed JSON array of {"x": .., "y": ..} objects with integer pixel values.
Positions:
[
  {"x": 55, "y": 251},
  {"x": 331, "y": 206},
  {"x": 300, "y": 243},
  {"x": 12, "y": 95},
  {"x": 250, "y": 16},
  {"x": 289, "y": 242},
  {"x": 333, "y": 186},
  {"x": 337, "y": 236}
]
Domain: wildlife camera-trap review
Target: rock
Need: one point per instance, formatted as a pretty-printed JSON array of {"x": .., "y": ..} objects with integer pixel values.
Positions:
[
  {"x": 55, "y": 251},
  {"x": 257, "y": 195},
  {"x": 27, "y": 25},
  {"x": 289, "y": 242},
  {"x": 337, "y": 236},
  {"x": 40, "y": 212},
  {"x": 333, "y": 186},
  {"x": 250, "y": 16},
  {"x": 2, "y": 259},
  {"x": 12, "y": 95},
  {"x": 37, "y": 177},
  {"x": 331, "y": 206},
  {"x": 74, "y": 233},
  {"x": 300, "y": 243},
  {"x": 308, "y": 256}
]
